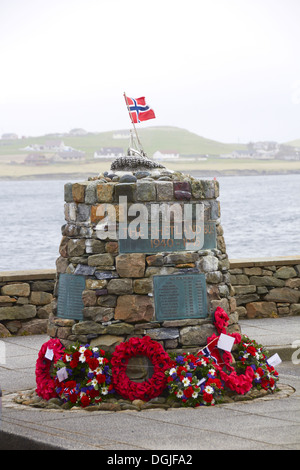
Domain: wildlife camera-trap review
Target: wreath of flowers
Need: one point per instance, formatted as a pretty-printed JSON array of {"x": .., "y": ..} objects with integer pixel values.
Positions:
[
  {"x": 251, "y": 354},
  {"x": 45, "y": 383},
  {"x": 148, "y": 389},
  {"x": 88, "y": 376},
  {"x": 194, "y": 380}
]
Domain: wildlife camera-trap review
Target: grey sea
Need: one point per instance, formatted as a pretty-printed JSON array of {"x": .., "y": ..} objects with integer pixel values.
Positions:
[{"x": 260, "y": 216}]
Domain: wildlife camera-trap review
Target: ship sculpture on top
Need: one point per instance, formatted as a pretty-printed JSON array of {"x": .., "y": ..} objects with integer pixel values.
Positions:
[{"x": 136, "y": 157}]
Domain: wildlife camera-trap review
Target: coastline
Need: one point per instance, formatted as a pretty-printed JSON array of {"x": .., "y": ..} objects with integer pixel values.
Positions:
[{"x": 195, "y": 173}]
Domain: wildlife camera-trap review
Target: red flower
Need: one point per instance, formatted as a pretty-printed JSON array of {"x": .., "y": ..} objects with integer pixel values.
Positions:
[
  {"x": 73, "y": 364},
  {"x": 87, "y": 353},
  {"x": 189, "y": 392},
  {"x": 251, "y": 350},
  {"x": 208, "y": 397},
  {"x": 93, "y": 363},
  {"x": 100, "y": 378},
  {"x": 73, "y": 397},
  {"x": 85, "y": 401}
]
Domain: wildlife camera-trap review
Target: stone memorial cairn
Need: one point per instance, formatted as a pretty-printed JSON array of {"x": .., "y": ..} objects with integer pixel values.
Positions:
[{"x": 116, "y": 299}]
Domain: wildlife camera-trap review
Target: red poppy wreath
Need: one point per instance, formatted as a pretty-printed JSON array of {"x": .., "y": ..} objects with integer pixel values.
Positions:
[
  {"x": 140, "y": 347},
  {"x": 49, "y": 354}
]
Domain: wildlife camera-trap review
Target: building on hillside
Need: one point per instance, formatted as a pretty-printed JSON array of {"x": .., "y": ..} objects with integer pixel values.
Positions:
[
  {"x": 242, "y": 154},
  {"x": 54, "y": 145},
  {"x": 164, "y": 155},
  {"x": 78, "y": 131},
  {"x": 36, "y": 159},
  {"x": 121, "y": 135},
  {"x": 9, "y": 136},
  {"x": 69, "y": 156},
  {"x": 108, "y": 153}
]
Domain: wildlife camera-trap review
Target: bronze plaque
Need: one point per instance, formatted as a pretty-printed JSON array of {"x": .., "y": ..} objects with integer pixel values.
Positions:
[
  {"x": 69, "y": 300},
  {"x": 180, "y": 296}
]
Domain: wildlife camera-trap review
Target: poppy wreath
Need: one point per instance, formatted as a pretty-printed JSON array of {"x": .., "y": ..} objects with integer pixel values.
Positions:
[
  {"x": 45, "y": 383},
  {"x": 239, "y": 383},
  {"x": 140, "y": 347}
]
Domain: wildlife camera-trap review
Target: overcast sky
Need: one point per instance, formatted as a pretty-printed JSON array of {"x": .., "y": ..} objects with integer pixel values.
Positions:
[{"x": 228, "y": 70}]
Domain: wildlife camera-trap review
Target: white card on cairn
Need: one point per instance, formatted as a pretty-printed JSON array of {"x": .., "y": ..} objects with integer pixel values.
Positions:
[
  {"x": 225, "y": 342},
  {"x": 49, "y": 354},
  {"x": 274, "y": 360},
  {"x": 62, "y": 374}
]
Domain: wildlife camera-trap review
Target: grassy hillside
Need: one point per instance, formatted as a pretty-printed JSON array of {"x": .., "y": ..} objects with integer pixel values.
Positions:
[{"x": 152, "y": 138}]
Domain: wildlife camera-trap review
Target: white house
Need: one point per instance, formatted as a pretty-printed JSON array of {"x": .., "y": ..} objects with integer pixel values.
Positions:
[
  {"x": 165, "y": 155},
  {"x": 109, "y": 153}
]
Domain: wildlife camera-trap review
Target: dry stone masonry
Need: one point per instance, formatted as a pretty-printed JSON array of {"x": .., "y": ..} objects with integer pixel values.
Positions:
[
  {"x": 266, "y": 288},
  {"x": 113, "y": 296},
  {"x": 25, "y": 302}
]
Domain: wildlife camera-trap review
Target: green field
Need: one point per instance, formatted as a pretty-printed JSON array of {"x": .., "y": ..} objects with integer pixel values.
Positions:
[{"x": 153, "y": 138}]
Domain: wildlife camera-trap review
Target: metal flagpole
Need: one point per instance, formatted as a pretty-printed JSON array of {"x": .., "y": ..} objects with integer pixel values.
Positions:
[{"x": 132, "y": 122}]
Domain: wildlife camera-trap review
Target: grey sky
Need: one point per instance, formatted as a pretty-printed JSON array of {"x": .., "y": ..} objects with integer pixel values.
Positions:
[{"x": 228, "y": 70}]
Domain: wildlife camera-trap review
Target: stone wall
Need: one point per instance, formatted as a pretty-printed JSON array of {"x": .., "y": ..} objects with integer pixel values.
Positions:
[
  {"x": 22, "y": 312},
  {"x": 266, "y": 287},
  {"x": 25, "y": 301}
]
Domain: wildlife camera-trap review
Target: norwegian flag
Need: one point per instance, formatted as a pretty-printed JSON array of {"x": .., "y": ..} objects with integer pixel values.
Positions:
[{"x": 139, "y": 110}]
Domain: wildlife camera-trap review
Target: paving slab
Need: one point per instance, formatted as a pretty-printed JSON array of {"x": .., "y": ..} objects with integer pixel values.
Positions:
[{"x": 269, "y": 423}]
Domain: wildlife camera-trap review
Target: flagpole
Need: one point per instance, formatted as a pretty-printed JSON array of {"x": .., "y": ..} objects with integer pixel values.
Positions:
[{"x": 132, "y": 122}]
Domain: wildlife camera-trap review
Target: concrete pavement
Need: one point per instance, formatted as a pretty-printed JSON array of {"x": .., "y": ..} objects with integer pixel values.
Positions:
[{"x": 269, "y": 423}]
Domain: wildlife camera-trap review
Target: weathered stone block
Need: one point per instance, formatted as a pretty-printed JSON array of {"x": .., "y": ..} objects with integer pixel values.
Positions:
[
  {"x": 145, "y": 191},
  {"x": 120, "y": 286},
  {"x": 94, "y": 246},
  {"x": 89, "y": 298},
  {"x": 155, "y": 260},
  {"x": 68, "y": 196},
  {"x": 293, "y": 283},
  {"x": 40, "y": 298},
  {"x": 105, "y": 192},
  {"x": 285, "y": 272},
  {"x": 163, "y": 333},
  {"x": 88, "y": 327},
  {"x": 22, "y": 289},
  {"x": 261, "y": 309},
  {"x": 266, "y": 281},
  {"x": 120, "y": 329},
  {"x": 84, "y": 270},
  {"x": 126, "y": 189},
  {"x": 106, "y": 300},
  {"x": 78, "y": 191},
  {"x": 195, "y": 335},
  {"x": 107, "y": 342},
  {"x": 246, "y": 298},
  {"x": 83, "y": 213},
  {"x": 164, "y": 190},
  {"x": 17, "y": 312},
  {"x": 98, "y": 314},
  {"x": 209, "y": 263},
  {"x": 244, "y": 289},
  {"x": 130, "y": 265},
  {"x": 143, "y": 286},
  {"x": 105, "y": 259},
  {"x": 180, "y": 258},
  {"x": 95, "y": 283},
  {"x": 76, "y": 247},
  {"x": 91, "y": 193},
  {"x": 284, "y": 294},
  {"x": 134, "y": 308}
]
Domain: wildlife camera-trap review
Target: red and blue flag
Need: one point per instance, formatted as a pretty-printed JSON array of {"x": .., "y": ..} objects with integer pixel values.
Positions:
[{"x": 139, "y": 110}]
